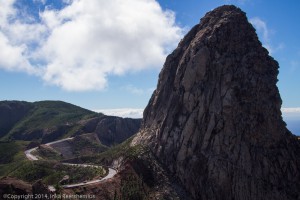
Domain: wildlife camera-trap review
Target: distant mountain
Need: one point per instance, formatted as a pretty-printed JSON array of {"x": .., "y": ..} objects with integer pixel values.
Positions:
[{"x": 46, "y": 121}]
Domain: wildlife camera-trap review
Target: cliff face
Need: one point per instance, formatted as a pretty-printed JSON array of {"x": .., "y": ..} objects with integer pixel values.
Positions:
[
  {"x": 215, "y": 120},
  {"x": 112, "y": 130}
]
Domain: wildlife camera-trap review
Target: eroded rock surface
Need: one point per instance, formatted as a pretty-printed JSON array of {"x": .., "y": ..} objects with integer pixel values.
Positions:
[
  {"x": 112, "y": 130},
  {"x": 215, "y": 120}
]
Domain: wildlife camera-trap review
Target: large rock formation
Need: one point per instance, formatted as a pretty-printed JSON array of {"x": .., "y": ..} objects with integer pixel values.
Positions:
[
  {"x": 112, "y": 130},
  {"x": 215, "y": 120}
]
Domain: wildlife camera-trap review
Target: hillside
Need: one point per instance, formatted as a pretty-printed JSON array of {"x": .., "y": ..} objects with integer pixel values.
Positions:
[
  {"x": 29, "y": 121},
  {"x": 27, "y": 125},
  {"x": 11, "y": 112},
  {"x": 47, "y": 121}
]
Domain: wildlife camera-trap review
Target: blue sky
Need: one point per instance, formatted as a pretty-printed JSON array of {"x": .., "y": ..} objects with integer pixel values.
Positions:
[{"x": 102, "y": 54}]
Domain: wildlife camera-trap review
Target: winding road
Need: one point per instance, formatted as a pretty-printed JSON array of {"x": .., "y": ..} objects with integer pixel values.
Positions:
[{"x": 111, "y": 172}]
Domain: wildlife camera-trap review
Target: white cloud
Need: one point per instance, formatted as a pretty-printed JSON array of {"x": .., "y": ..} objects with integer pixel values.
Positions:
[
  {"x": 123, "y": 112},
  {"x": 13, "y": 57},
  {"x": 263, "y": 30},
  {"x": 290, "y": 110},
  {"x": 77, "y": 47},
  {"x": 15, "y": 38}
]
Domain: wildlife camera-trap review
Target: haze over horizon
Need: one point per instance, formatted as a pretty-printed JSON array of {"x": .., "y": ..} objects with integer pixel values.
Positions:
[{"x": 107, "y": 55}]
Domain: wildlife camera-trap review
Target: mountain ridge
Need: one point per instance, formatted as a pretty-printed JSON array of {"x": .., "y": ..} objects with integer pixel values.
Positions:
[{"x": 47, "y": 121}]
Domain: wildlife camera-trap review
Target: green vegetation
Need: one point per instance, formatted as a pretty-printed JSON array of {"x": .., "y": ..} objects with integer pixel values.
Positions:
[
  {"x": 82, "y": 145},
  {"x": 132, "y": 187},
  {"x": 51, "y": 172},
  {"x": 8, "y": 151},
  {"x": 47, "y": 153},
  {"x": 80, "y": 174},
  {"x": 11, "y": 156},
  {"x": 46, "y": 115},
  {"x": 10, "y": 113},
  {"x": 123, "y": 150},
  {"x": 45, "y": 121},
  {"x": 74, "y": 129},
  {"x": 15, "y": 164}
]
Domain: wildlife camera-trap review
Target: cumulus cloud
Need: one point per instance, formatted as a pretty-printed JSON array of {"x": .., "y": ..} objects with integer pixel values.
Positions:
[
  {"x": 14, "y": 55},
  {"x": 77, "y": 47},
  {"x": 123, "y": 112},
  {"x": 262, "y": 29}
]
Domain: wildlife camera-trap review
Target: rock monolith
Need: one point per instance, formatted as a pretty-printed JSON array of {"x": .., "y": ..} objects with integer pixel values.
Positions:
[{"x": 214, "y": 120}]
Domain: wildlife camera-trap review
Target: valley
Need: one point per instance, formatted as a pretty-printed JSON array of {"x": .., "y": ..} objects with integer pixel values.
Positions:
[{"x": 50, "y": 140}]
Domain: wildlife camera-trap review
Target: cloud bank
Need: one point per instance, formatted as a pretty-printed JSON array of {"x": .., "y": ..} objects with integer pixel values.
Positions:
[
  {"x": 290, "y": 110},
  {"x": 80, "y": 45},
  {"x": 123, "y": 112}
]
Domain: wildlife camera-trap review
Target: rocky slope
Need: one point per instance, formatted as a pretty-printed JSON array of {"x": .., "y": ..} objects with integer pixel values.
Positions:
[
  {"x": 15, "y": 188},
  {"x": 111, "y": 130},
  {"x": 214, "y": 120}
]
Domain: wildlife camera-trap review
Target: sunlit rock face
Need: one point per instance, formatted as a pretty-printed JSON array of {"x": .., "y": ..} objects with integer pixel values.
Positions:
[{"x": 214, "y": 120}]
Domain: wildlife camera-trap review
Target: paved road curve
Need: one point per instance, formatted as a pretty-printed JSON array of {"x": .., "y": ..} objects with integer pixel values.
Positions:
[
  {"x": 32, "y": 157},
  {"x": 111, "y": 172}
]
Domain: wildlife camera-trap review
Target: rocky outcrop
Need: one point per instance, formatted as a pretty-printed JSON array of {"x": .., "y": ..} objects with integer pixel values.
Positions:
[
  {"x": 13, "y": 186},
  {"x": 214, "y": 120},
  {"x": 40, "y": 191},
  {"x": 112, "y": 130}
]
